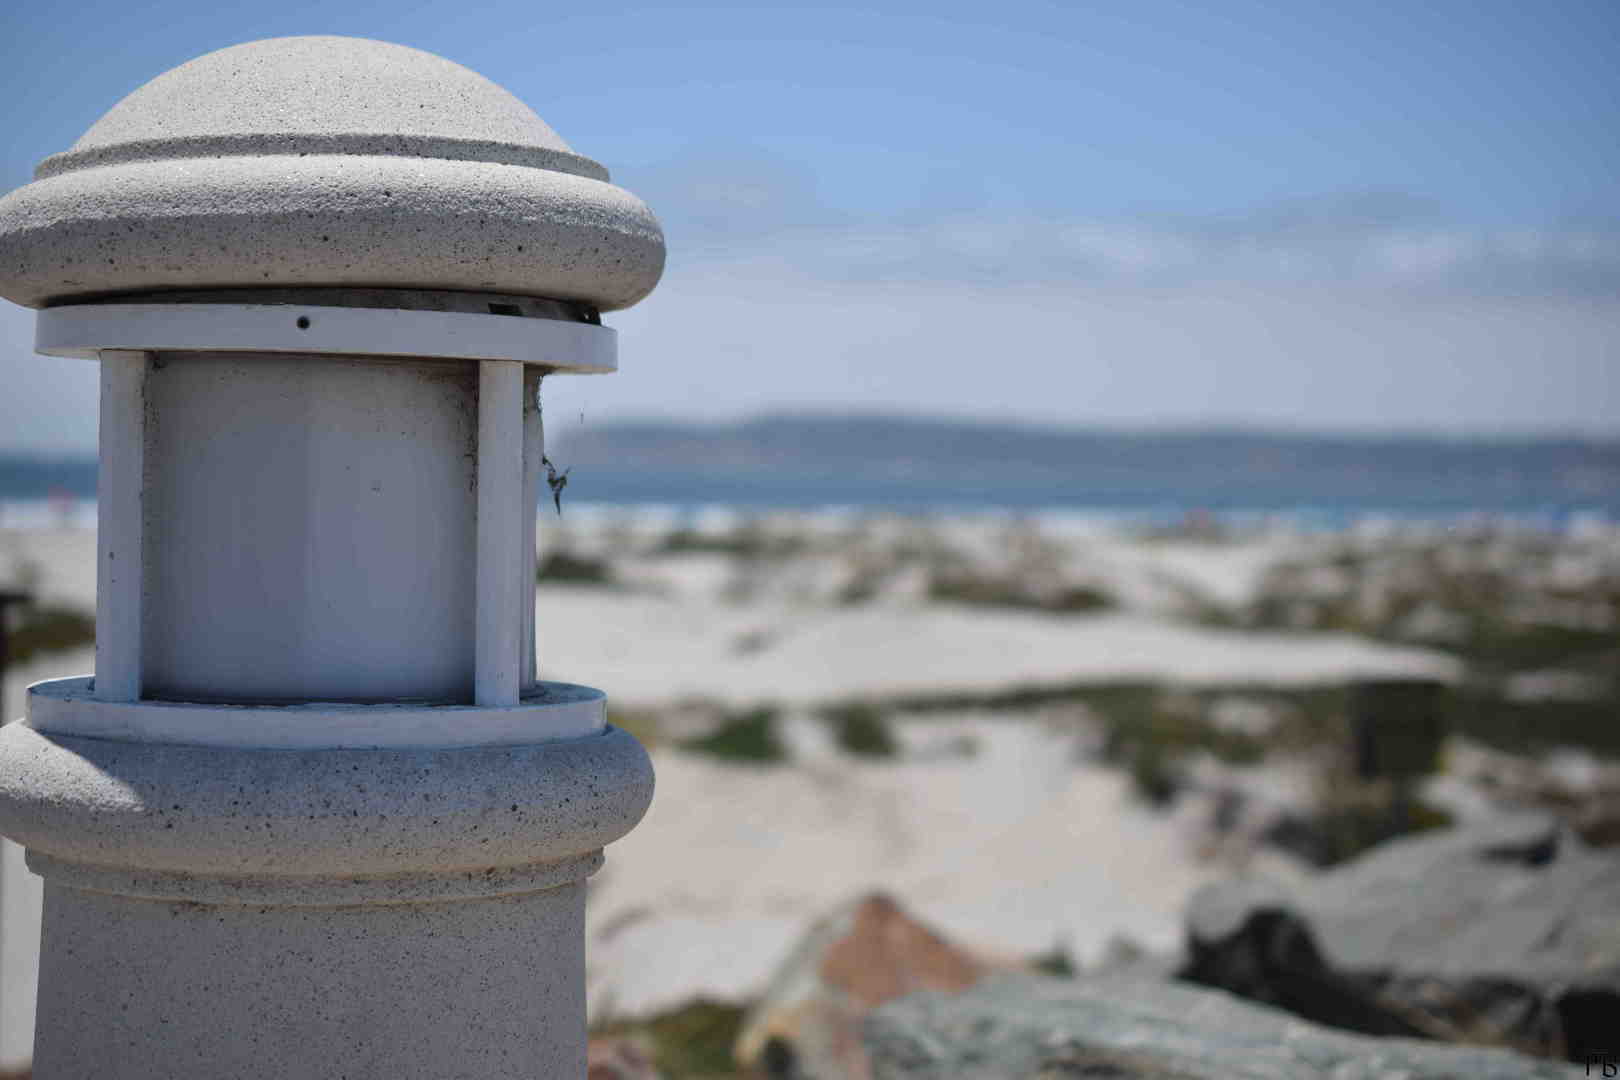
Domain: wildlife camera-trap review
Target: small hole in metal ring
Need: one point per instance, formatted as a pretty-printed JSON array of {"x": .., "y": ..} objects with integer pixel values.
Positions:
[{"x": 303, "y": 322}]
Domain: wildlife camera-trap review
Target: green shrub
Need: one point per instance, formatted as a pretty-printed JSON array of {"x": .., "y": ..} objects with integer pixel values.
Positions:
[
  {"x": 861, "y": 730},
  {"x": 1080, "y": 598},
  {"x": 1153, "y": 775},
  {"x": 747, "y": 736},
  {"x": 48, "y": 629},
  {"x": 978, "y": 591},
  {"x": 1055, "y": 961},
  {"x": 1346, "y": 830},
  {"x": 563, "y": 566},
  {"x": 747, "y": 541},
  {"x": 693, "y": 1041}
]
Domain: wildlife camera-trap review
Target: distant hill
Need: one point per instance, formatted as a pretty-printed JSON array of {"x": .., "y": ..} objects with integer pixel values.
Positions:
[{"x": 910, "y": 462}]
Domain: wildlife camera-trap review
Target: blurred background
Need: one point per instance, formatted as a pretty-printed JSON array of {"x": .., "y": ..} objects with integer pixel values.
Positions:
[{"x": 1084, "y": 461}]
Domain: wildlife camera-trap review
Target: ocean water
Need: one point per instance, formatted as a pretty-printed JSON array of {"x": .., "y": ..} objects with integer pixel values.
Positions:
[
  {"x": 67, "y": 499},
  {"x": 1160, "y": 497},
  {"x": 923, "y": 465},
  {"x": 941, "y": 466}
]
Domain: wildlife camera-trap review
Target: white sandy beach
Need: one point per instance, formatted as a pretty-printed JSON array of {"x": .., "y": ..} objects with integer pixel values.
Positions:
[
  {"x": 649, "y": 649},
  {"x": 1016, "y": 848}
]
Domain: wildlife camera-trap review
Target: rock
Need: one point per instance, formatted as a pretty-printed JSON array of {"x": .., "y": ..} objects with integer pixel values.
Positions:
[
  {"x": 1271, "y": 956},
  {"x": 807, "y": 1024},
  {"x": 1504, "y": 932},
  {"x": 1577, "y": 786},
  {"x": 617, "y": 1059},
  {"x": 1031, "y": 1028},
  {"x": 1123, "y": 956}
]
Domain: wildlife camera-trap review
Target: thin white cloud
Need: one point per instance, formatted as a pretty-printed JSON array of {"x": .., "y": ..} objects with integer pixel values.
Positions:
[
  {"x": 724, "y": 339},
  {"x": 1478, "y": 260},
  {"x": 723, "y": 208}
]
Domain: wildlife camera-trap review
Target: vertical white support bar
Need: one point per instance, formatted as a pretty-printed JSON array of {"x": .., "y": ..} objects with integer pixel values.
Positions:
[
  {"x": 119, "y": 490},
  {"x": 500, "y": 533},
  {"x": 534, "y": 448}
]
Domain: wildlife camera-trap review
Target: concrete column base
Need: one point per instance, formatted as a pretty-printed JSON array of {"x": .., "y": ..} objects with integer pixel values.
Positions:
[
  {"x": 152, "y": 990},
  {"x": 372, "y": 914}
]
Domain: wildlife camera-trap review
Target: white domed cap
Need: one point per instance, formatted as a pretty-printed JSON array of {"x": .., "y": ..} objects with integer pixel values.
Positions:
[
  {"x": 322, "y": 94},
  {"x": 325, "y": 161}
]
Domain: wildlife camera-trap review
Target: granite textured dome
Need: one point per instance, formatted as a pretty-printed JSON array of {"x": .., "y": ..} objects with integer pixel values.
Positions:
[{"x": 324, "y": 161}]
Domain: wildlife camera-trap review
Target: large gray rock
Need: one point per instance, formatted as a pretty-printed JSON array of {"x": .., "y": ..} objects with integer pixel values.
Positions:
[
  {"x": 1028, "y": 1028},
  {"x": 1521, "y": 896},
  {"x": 1507, "y": 931}
]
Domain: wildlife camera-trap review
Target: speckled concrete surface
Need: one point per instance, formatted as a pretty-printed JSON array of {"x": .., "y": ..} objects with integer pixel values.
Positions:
[
  {"x": 325, "y": 161},
  {"x": 359, "y": 913},
  {"x": 310, "y": 814},
  {"x": 487, "y": 990},
  {"x": 290, "y": 88}
]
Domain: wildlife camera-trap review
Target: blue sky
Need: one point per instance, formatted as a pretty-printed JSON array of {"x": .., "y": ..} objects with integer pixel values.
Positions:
[{"x": 1352, "y": 215}]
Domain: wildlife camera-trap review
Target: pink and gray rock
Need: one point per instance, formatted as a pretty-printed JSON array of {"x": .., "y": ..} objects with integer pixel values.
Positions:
[{"x": 863, "y": 955}]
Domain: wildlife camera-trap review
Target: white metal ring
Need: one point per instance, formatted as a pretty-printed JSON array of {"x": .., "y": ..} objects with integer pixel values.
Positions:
[
  {"x": 555, "y": 711},
  {"x": 84, "y": 330}
]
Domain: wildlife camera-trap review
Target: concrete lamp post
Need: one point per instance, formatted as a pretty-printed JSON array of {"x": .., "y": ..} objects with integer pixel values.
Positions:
[{"x": 314, "y": 815}]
